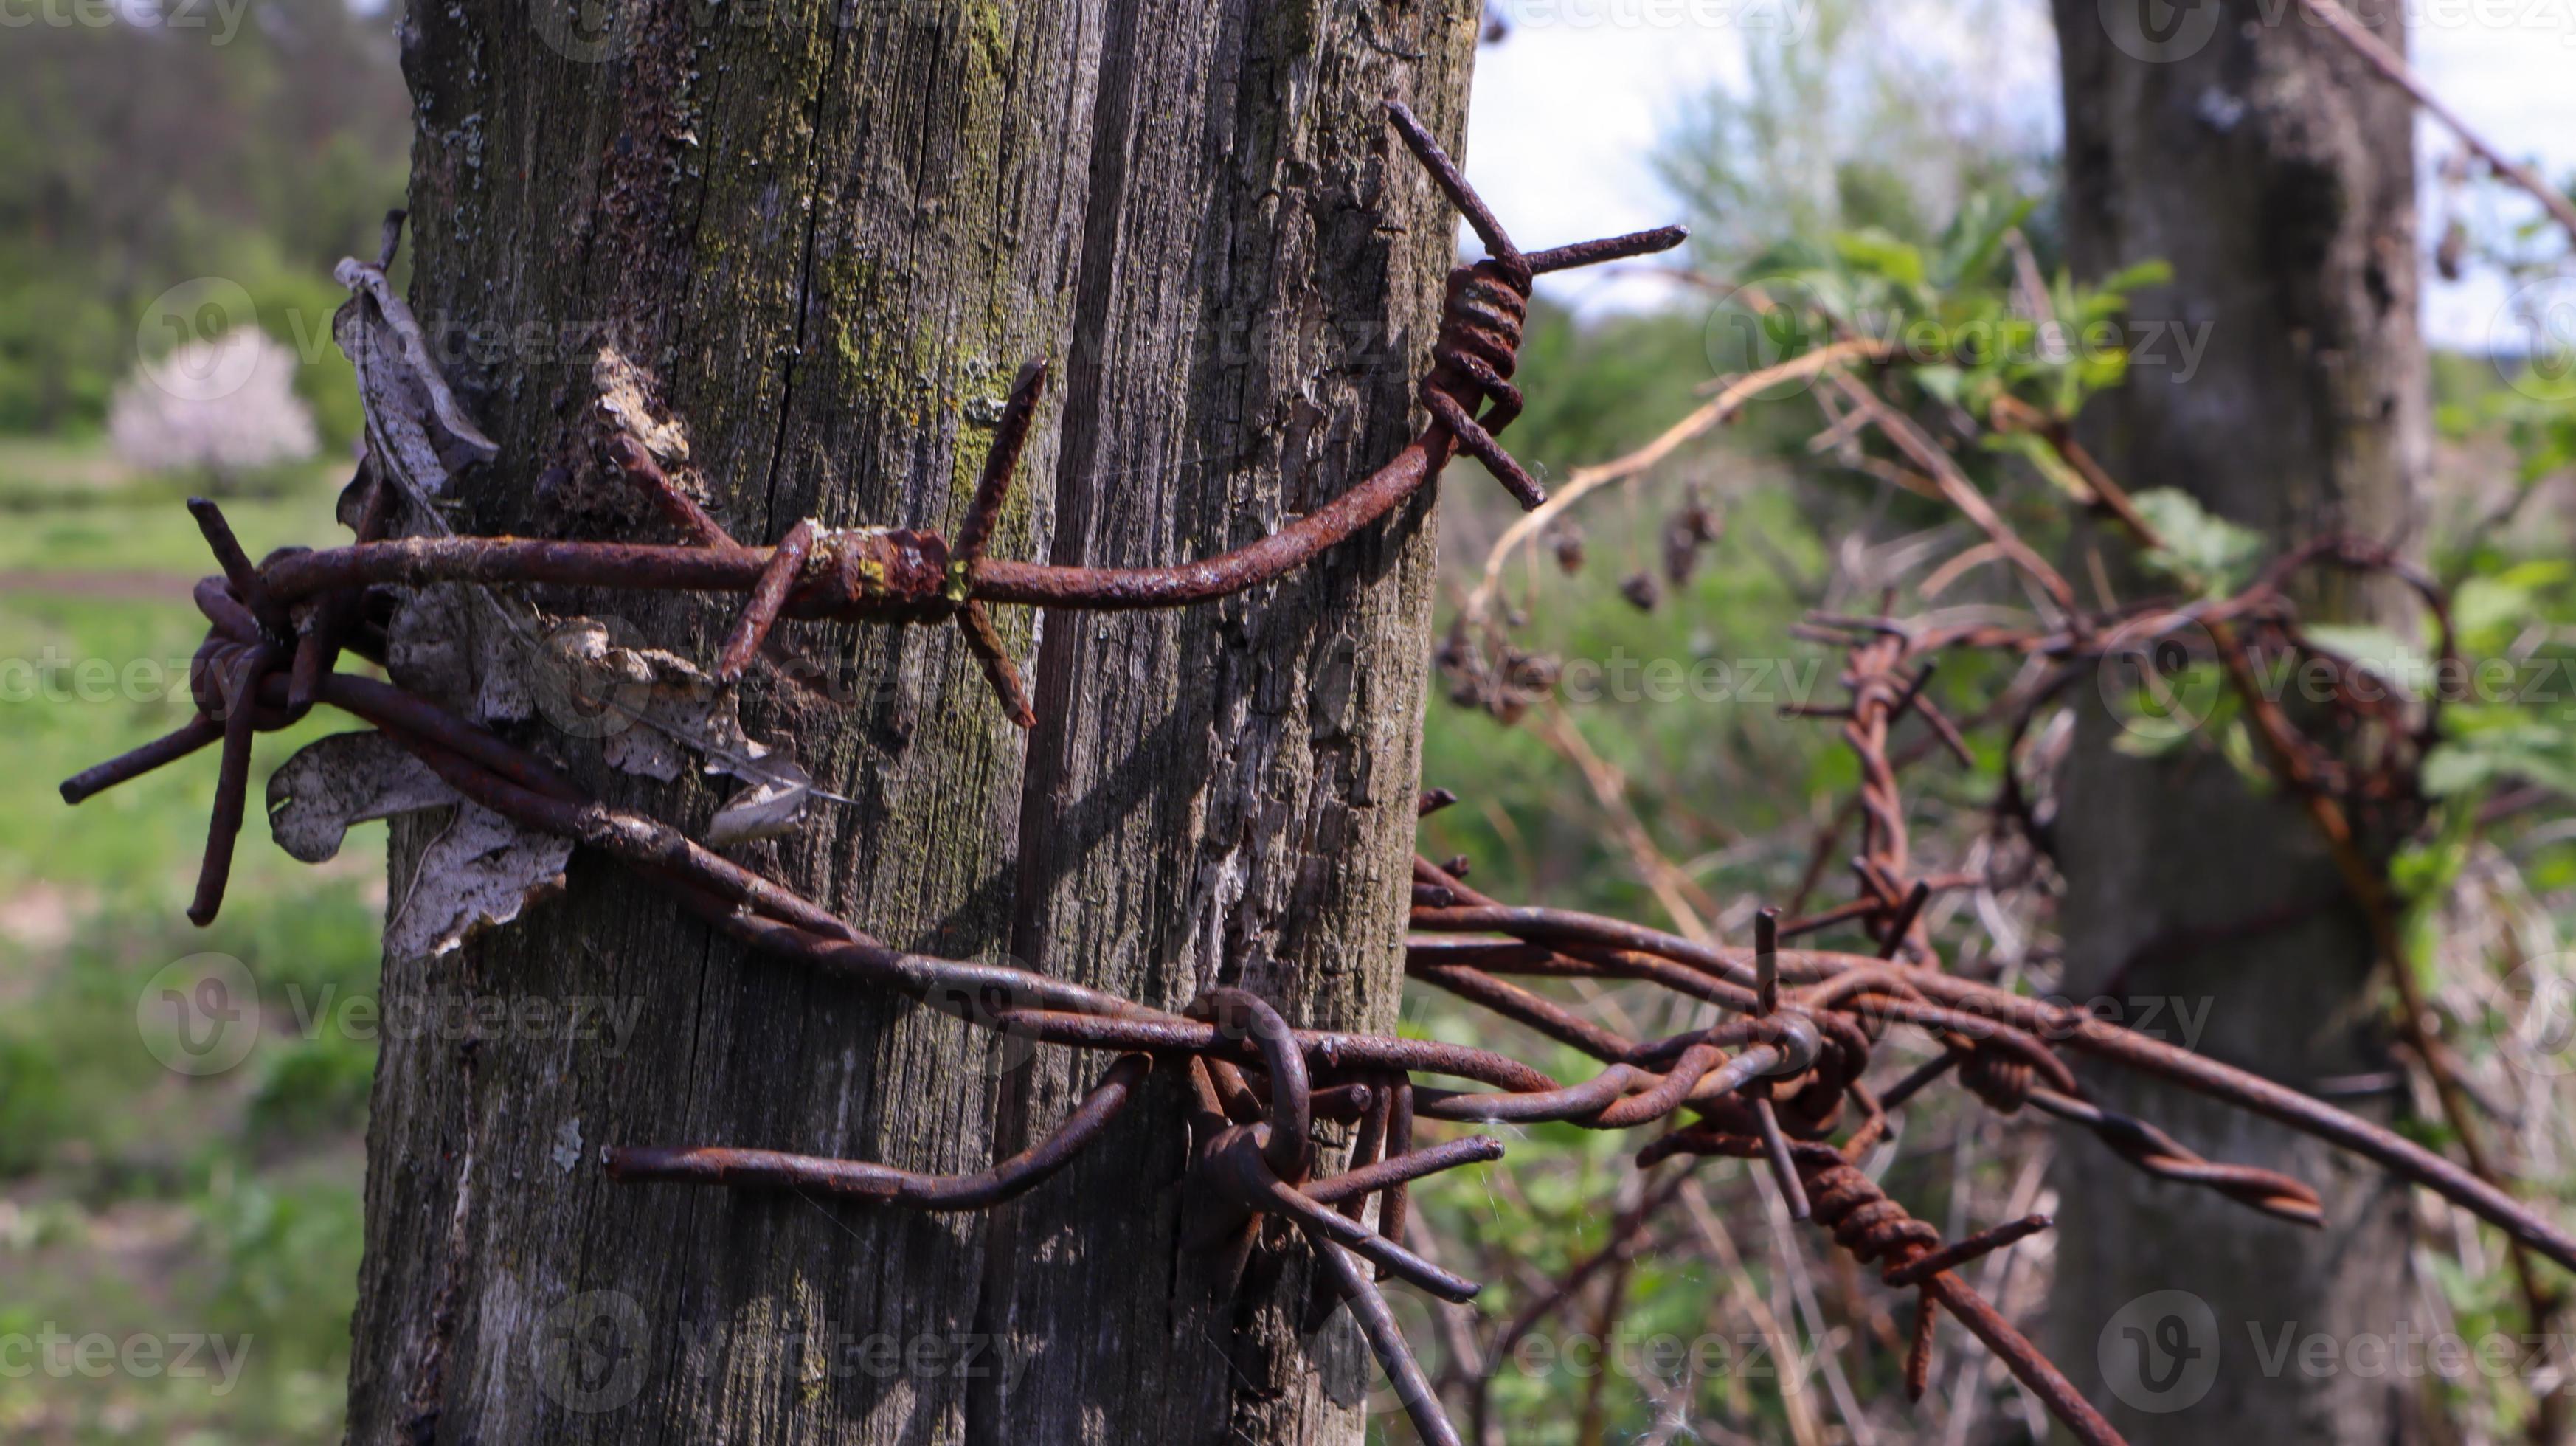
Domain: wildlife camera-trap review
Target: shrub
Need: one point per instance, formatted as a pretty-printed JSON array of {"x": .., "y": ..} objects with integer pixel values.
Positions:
[{"x": 225, "y": 406}]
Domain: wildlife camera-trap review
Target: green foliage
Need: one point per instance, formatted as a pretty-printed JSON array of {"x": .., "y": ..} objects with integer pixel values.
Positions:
[
  {"x": 2205, "y": 554},
  {"x": 289, "y": 1251},
  {"x": 1842, "y": 125},
  {"x": 1806, "y": 191},
  {"x": 2422, "y": 873},
  {"x": 311, "y": 1086},
  {"x": 1607, "y": 385},
  {"x": 1878, "y": 226},
  {"x": 1947, "y": 314},
  {"x": 32, "y": 1109},
  {"x": 2374, "y": 648},
  {"x": 134, "y": 1199},
  {"x": 2533, "y": 414},
  {"x": 2485, "y": 743},
  {"x": 1685, "y": 696},
  {"x": 2518, "y": 723}
]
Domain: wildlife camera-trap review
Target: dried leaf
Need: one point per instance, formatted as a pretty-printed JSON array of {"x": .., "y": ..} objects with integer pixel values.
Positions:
[
  {"x": 769, "y": 807},
  {"x": 352, "y": 502},
  {"x": 651, "y": 709},
  {"x": 422, "y": 434},
  {"x": 478, "y": 873},
  {"x": 460, "y": 645},
  {"x": 346, "y": 779},
  {"x": 648, "y": 707}
]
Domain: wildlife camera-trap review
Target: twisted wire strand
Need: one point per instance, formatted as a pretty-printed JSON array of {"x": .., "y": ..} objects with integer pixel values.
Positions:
[{"x": 255, "y": 674}]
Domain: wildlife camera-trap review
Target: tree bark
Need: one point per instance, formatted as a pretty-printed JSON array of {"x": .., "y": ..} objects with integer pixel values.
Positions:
[
  {"x": 830, "y": 236},
  {"x": 2276, "y": 174}
]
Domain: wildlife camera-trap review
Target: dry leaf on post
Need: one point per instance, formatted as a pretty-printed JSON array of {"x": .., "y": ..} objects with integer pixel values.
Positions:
[
  {"x": 479, "y": 873},
  {"x": 421, "y": 432},
  {"x": 768, "y": 806},
  {"x": 651, "y": 707},
  {"x": 460, "y": 643},
  {"x": 336, "y": 783},
  {"x": 626, "y": 399},
  {"x": 645, "y": 705}
]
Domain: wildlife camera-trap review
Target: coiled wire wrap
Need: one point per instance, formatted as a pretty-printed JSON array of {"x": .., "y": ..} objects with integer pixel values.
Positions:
[{"x": 1472, "y": 364}]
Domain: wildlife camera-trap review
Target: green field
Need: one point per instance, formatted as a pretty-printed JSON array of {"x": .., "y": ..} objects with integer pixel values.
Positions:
[{"x": 204, "y": 1228}]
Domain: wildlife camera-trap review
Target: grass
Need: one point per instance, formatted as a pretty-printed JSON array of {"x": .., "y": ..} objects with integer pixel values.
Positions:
[
  {"x": 50, "y": 464},
  {"x": 145, "y": 1211}
]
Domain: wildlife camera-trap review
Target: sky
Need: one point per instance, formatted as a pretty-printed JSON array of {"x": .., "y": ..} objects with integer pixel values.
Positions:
[{"x": 1579, "y": 91}]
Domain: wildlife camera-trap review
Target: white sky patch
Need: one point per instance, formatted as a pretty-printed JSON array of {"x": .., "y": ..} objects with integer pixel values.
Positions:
[
  {"x": 1577, "y": 109},
  {"x": 2509, "y": 78},
  {"x": 1582, "y": 90}
]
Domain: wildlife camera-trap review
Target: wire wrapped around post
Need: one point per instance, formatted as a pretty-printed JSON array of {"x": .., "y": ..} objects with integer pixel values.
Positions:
[{"x": 1776, "y": 1076}]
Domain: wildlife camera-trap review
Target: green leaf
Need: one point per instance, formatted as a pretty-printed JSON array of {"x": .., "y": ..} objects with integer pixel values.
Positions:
[
  {"x": 2482, "y": 602},
  {"x": 2209, "y": 554},
  {"x": 2101, "y": 371},
  {"x": 2452, "y": 769},
  {"x": 2044, "y": 460},
  {"x": 1976, "y": 234},
  {"x": 2491, "y": 742},
  {"x": 1876, "y": 251},
  {"x": 1942, "y": 382},
  {"x": 2539, "y": 573},
  {"x": 2236, "y": 745},
  {"x": 2131, "y": 278}
]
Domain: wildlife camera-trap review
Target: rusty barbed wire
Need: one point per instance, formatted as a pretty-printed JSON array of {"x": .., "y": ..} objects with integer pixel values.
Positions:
[
  {"x": 1876, "y": 1230},
  {"x": 1773, "y": 1080},
  {"x": 497, "y": 775},
  {"x": 884, "y": 1184},
  {"x": 2357, "y": 764}
]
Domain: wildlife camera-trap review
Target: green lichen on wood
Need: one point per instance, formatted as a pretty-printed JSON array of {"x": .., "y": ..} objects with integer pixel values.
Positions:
[{"x": 881, "y": 217}]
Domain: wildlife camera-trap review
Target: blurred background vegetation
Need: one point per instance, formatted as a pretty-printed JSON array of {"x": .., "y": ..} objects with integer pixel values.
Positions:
[
  {"x": 132, "y": 1198},
  {"x": 138, "y": 158}
]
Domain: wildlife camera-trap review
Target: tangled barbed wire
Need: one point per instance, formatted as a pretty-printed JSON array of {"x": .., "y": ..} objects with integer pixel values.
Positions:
[{"x": 1780, "y": 1077}]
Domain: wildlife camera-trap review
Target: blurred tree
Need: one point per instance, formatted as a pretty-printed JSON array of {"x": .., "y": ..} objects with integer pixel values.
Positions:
[
  {"x": 2276, "y": 175},
  {"x": 165, "y": 420}
]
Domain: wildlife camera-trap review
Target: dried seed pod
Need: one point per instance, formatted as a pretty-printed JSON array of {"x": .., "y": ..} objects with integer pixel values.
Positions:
[
  {"x": 1642, "y": 591},
  {"x": 1456, "y": 649},
  {"x": 1565, "y": 542},
  {"x": 1689, "y": 531},
  {"x": 1462, "y": 666},
  {"x": 1526, "y": 678}
]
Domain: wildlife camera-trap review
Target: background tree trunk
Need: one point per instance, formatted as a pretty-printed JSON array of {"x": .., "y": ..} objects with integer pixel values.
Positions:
[
  {"x": 2277, "y": 176},
  {"x": 832, "y": 235}
]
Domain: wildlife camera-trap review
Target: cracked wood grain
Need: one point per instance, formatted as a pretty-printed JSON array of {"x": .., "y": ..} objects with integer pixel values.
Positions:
[{"x": 832, "y": 237}]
